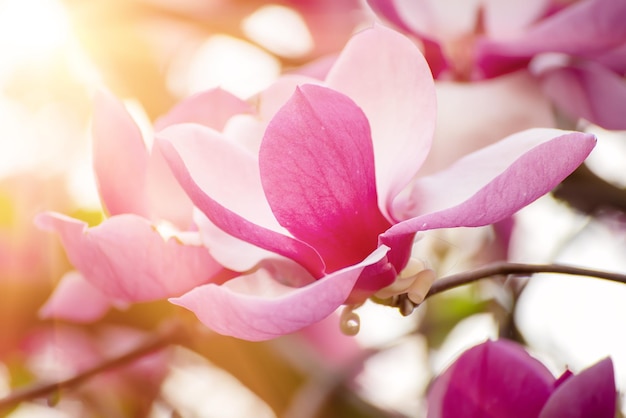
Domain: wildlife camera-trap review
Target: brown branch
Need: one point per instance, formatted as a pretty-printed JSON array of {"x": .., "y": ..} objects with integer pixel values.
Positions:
[
  {"x": 502, "y": 268},
  {"x": 168, "y": 336},
  {"x": 517, "y": 269}
]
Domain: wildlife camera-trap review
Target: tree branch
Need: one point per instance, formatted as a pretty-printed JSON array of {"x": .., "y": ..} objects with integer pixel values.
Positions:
[
  {"x": 164, "y": 338},
  {"x": 501, "y": 268}
]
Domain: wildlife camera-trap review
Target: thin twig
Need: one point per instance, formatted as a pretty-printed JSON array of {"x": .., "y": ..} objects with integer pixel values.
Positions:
[
  {"x": 501, "y": 268},
  {"x": 161, "y": 340},
  {"x": 517, "y": 269}
]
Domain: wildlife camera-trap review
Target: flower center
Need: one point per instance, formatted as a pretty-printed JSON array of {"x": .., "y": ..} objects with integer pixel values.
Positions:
[
  {"x": 415, "y": 280},
  {"x": 406, "y": 292}
]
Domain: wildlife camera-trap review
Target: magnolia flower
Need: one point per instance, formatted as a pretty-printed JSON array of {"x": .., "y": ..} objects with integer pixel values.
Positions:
[
  {"x": 575, "y": 50},
  {"x": 147, "y": 249},
  {"x": 63, "y": 352},
  {"x": 329, "y": 199},
  {"x": 500, "y": 379}
]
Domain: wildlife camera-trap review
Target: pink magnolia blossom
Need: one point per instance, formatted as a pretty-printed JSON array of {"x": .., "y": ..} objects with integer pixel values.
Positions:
[
  {"x": 127, "y": 258},
  {"x": 62, "y": 352},
  {"x": 575, "y": 51},
  {"x": 499, "y": 379},
  {"x": 77, "y": 300},
  {"x": 330, "y": 197}
]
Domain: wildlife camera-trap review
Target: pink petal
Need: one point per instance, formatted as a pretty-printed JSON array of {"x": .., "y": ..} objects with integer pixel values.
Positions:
[
  {"x": 270, "y": 100},
  {"x": 614, "y": 59},
  {"x": 199, "y": 158},
  {"x": 317, "y": 169},
  {"x": 257, "y": 307},
  {"x": 493, "y": 379},
  {"x": 62, "y": 351},
  {"x": 416, "y": 17},
  {"x": 521, "y": 105},
  {"x": 495, "y": 182},
  {"x": 210, "y": 108},
  {"x": 126, "y": 258},
  {"x": 332, "y": 347},
  {"x": 76, "y": 300},
  {"x": 248, "y": 130},
  {"x": 590, "y": 393},
  {"x": 399, "y": 14},
  {"x": 430, "y": 19},
  {"x": 387, "y": 76},
  {"x": 585, "y": 28},
  {"x": 589, "y": 91},
  {"x": 120, "y": 157},
  {"x": 233, "y": 253},
  {"x": 166, "y": 198},
  {"x": 507, "y": 18},
  {"x": 207, "y": 157}
]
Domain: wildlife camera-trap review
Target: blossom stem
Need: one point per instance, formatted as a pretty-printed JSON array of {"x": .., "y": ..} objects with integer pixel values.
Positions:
[
  {"x": 166, "y": 337},
  {"x": 502, "y": 268},
  {"x": 518, "y": 269}
]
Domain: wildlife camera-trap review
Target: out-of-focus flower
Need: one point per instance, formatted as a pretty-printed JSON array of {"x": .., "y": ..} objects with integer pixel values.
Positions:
[
  {"x": 62, "y": 352},
  {"x": 28, "y": 257},
  {"x": 575, "y": 50},
  {"x": 500, "y": 379},
  {"x": 324, "y": 190},
  {"x": 147, "y": 249}
]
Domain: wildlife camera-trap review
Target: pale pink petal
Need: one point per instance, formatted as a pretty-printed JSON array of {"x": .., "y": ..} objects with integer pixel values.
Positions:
[
  {"x": 127, "y": 259},
  {"x": 199, "y": 158},
  {"x": 275, "y": 96},
  {"x": 521, "y": 104},
  {"x": 505, "y": 18},
  {"x": 247, "y": 131},
  {"x": 454, "y": 18},
  {"x": 210, "y": 108},
  {"x": 591, "y": 393},
  {"x": 221, "y": 168},
  {"x": 495, "y": 182},
  {"x": 387, "y": 76},
  {"x": 589, "y": 91},
  {"x": 233, "y": 253},
  {"x": 256, "y": 307},
  {"x": 585, "y": 28},
  {"x": 330, "y": 22},
  {"x": 416, "y": 17},
  {"x": 430, "y": 19},
  {"x": 76, "y": 300},
  {"x": 120, "y": 157},
  {"x": 410, "y": 16},
  {"x": 317, "y": 169},
  {"x": 59, "y": 352},
  {"x": 332, "y": 347},
  {"x": 167, "y": 199},
  {"x": 317, "y": 69}
]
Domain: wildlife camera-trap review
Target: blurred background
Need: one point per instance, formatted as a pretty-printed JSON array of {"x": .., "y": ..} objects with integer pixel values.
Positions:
[{"x": 55, "y": 54}]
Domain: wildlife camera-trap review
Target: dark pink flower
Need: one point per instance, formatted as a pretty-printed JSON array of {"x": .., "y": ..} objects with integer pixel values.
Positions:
[
  {"x": 329, "y": 199},
  {"x": 500, "y": 379},
  {"x": 576, "y": 51}
]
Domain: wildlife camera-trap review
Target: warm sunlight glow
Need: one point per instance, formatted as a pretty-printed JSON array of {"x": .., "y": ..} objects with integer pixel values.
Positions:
[
  {"x": 31, "y": 29},
  {"x": 232, "y": 64},
  {"x": 279, "y": 29}
]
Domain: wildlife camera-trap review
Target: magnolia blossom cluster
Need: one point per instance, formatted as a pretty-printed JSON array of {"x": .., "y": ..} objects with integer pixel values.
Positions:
[
  {"x": 264, "y": 216},
  {"x": 308, "y": 195},
  {"x": 574, "y": 50},
  {"x": 500, "y": 379}
]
